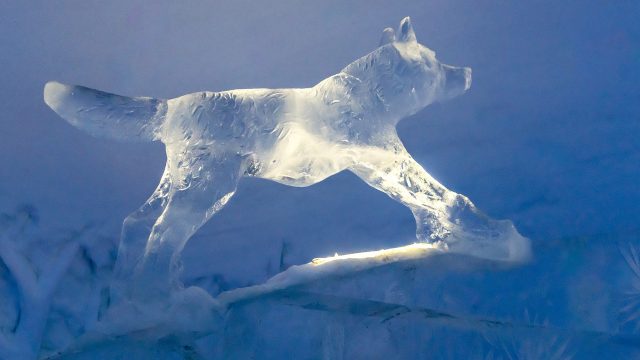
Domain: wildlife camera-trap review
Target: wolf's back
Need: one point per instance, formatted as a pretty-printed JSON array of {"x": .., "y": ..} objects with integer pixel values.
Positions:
[{"x": 107, "y": 115}]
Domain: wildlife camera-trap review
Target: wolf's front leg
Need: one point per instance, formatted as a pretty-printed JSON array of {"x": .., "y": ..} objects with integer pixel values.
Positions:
[{"x": 442, "y": 216}]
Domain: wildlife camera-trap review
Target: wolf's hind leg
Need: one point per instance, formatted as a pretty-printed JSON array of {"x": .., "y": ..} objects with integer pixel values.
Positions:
[
  {"x": 135, "y": 233},
  {"x": 441, "y": 215},
  {"x": 187, "y": 209}
]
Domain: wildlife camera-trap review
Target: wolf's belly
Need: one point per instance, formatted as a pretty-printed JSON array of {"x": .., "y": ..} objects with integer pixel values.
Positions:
[
  {"x": 302, "y": 159},
  {"x": 301, "y": 172}
]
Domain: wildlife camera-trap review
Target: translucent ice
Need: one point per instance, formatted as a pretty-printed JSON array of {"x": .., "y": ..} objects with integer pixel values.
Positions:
[{"x": 296, "y": 137}]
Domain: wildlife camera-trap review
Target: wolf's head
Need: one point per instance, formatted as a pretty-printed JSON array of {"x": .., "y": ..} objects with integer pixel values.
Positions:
[{"x": 406, "y": 74}]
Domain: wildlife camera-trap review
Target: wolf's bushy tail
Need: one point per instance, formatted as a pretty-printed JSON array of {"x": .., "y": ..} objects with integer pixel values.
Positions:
[{"x": 107, "y": 115}]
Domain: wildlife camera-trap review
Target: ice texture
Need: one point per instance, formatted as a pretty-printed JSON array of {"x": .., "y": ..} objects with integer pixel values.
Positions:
[{"x": 296, "y": 137}]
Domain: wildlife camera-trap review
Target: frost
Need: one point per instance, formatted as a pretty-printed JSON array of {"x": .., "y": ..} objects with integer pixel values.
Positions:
[
  {"x": 34, "y": 285},
  {"x": 630, "y": 310}
]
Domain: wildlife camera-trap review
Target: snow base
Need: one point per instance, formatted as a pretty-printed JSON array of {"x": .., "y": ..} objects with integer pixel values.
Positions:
[{"x": 381, "y": 304}]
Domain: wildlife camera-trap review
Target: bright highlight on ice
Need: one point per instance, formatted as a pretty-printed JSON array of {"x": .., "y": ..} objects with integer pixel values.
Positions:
[{"x": 403, "y": 252}]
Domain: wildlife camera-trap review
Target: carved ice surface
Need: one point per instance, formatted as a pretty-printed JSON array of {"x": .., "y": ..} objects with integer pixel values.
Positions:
[{"x": 296, "y": 137}]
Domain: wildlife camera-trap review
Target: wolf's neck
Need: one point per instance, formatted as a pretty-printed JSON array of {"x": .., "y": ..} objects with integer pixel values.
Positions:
[
  {"x": 362, "y": 98},
  {"x": 376, "y": 72}
]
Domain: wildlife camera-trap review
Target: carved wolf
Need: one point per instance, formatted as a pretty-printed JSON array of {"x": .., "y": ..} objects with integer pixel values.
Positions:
[{"x": 297, "y": 137}]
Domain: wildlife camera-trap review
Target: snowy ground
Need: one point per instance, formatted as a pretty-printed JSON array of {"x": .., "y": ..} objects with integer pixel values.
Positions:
[{"x": 401, "y": 303}]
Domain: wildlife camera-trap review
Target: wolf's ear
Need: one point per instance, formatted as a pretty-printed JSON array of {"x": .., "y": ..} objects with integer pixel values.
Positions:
[
  {"x": 388, "y": 36},
  {"x": 405, "y": 31}
]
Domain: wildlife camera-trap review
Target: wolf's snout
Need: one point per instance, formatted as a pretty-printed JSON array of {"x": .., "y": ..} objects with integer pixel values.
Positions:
[{"x": 457, "y": 81}]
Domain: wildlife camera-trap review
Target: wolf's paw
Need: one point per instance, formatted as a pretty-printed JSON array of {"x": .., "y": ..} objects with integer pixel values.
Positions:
[
  {"x": 499, "y": 240},
  {"x": 464, "y": 229}
]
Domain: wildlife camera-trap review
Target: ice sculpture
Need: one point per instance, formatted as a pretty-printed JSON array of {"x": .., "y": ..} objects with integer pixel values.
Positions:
[{"x": 296, "y": 137}]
